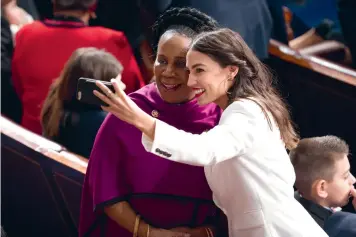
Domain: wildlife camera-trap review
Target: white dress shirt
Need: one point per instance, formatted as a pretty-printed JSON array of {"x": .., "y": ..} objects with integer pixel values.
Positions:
[{"x": 247, "y": 168}]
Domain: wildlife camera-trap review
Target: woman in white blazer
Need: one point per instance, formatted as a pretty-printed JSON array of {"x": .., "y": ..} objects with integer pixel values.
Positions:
[{"x": 245, "y": 158}]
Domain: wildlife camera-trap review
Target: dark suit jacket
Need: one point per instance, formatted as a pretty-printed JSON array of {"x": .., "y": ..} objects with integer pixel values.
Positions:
[
  {"x": 250, "y": 18},
  {"x": 341, "y": 224},
  {"x": 320, "y": 214}
]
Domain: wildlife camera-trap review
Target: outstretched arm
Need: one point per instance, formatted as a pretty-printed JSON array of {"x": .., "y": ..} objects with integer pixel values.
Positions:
[
  {"x": 235, "y": 134},
  {"x": 225, "y": 141}
]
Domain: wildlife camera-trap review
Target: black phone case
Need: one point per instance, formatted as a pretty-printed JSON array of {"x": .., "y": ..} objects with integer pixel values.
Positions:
[{"x": 85, "y": 88}]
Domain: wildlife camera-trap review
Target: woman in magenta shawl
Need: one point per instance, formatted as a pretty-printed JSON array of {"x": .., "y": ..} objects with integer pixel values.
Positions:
[{"x": 129, "y": 192}]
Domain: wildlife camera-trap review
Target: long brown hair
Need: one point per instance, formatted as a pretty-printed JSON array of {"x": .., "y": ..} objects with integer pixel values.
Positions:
[
  {"x": 253, "y": 80},
  {"x": 84, "y": 62}
]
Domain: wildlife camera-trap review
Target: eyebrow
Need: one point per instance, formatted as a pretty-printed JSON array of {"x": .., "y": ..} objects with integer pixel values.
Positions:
[
  {"x": 176, "y": 57},
  {"x": 197, "y": 65}
]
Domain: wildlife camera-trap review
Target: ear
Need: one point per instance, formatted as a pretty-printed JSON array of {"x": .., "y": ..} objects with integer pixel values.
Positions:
[
  {"x": 233, "y": 70},
  {"x": 320, "y": 188}
]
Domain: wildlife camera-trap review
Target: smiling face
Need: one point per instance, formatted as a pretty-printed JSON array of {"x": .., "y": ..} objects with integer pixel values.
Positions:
[
  {"x": 208, "y": 79},
  {"x": 170, "y": 68}
]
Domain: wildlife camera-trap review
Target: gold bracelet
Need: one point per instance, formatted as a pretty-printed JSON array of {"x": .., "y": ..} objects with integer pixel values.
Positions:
[
  {"x": 211, "y": 233},
  {"x": 148, "y": 230},
  {"x": 208, "y": 232},
  {"x": 137, "y": 223}
]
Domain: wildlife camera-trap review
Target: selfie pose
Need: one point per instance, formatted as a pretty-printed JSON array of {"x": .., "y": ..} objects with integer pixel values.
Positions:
[
  {"x": 134, "y": 192},
  {"x": 246, "y": 163}
]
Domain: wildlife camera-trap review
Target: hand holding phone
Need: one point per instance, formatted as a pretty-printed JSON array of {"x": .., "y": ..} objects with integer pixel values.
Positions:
[{"x": 85, "y": 88}]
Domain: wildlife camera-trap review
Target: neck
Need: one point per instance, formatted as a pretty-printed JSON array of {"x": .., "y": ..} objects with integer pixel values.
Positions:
[
  {"x": 222, "y": 102},
  {"x": 318, "y": 201},
  {"x": 323, "y": 203},
  {"x": 82, "y": 15}
]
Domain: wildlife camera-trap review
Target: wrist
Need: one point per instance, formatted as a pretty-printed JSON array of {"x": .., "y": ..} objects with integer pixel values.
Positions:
[
  {"x": 143, "y": 230},
  {"x": 145, "y": 123}
]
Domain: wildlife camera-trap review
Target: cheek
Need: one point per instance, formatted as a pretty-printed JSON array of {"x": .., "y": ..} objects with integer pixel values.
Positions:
[
  {"x": 216, "y": 84},
  {"x": 157, "y": 71},
  {"x": 342, "y": 188},
  {"x": 204, "y": 81}
]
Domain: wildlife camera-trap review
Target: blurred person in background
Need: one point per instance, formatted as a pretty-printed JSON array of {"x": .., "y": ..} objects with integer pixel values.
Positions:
[
  {"x": 65, "y": 119},
  {"x": 10, "y": 103},
  {"x": 250, "y": 18},
  {"x": 16, "y": 15},
  {"x": 43, "y": 47}
]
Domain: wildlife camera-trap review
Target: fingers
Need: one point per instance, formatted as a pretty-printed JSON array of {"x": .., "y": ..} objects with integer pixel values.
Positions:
[
  {"x": 118, "y": 88},
  {"x": 119, "y": 82},
  {"x": 104, "y": 88},
  {"x": 353, "y": 194},
  {"x": 103, "y": 98}
]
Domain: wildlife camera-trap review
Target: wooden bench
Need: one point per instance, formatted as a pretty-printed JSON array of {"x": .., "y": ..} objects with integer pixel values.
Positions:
[{"x": 41, "y": 184}]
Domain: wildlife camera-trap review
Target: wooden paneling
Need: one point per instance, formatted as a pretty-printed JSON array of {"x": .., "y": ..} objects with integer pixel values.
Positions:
[{"x": 41, "y": 184}]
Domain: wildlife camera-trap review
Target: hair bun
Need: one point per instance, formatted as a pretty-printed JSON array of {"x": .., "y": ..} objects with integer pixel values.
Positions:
[{"x": 185, "y": 16}]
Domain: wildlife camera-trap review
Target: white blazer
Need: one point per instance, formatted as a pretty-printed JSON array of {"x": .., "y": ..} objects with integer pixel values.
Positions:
[{"x": 248, "y": 170}]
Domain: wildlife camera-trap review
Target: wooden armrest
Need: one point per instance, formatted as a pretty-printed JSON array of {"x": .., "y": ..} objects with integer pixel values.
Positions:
[
  {"x": 324, "y": 47},
  {"x": 44, "y": 146},
  {"x": 330, "y": 50},
  {"x": 26, "y": 137},
  {"x": 314, "y": 63},
  {"x": 69, "y": 159}
]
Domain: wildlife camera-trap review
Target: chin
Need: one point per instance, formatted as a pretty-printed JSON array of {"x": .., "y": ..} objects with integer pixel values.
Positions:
[
  {"x": 202, "y": 102},
  {"x": 344, "y": 202}
]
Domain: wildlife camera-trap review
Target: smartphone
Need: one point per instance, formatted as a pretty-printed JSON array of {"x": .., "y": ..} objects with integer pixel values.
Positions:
[{"x": 85, "y": 88}]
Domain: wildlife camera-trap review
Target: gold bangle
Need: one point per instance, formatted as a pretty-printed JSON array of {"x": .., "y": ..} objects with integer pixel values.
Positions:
[
  {"x": 208, "y": 232},
  {"x": 148, "y": 230},
  {"x": 137, "y": 223},
  {"x": 211, "y": 233}
]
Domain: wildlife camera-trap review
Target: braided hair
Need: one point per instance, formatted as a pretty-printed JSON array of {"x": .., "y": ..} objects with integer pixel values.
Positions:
[{"x": 184, "y": 21}]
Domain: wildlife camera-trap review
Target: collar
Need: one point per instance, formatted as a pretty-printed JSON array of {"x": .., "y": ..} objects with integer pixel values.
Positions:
[
  {"x": 315, "y": 209},
  {"x": 64, "y": 21}
]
